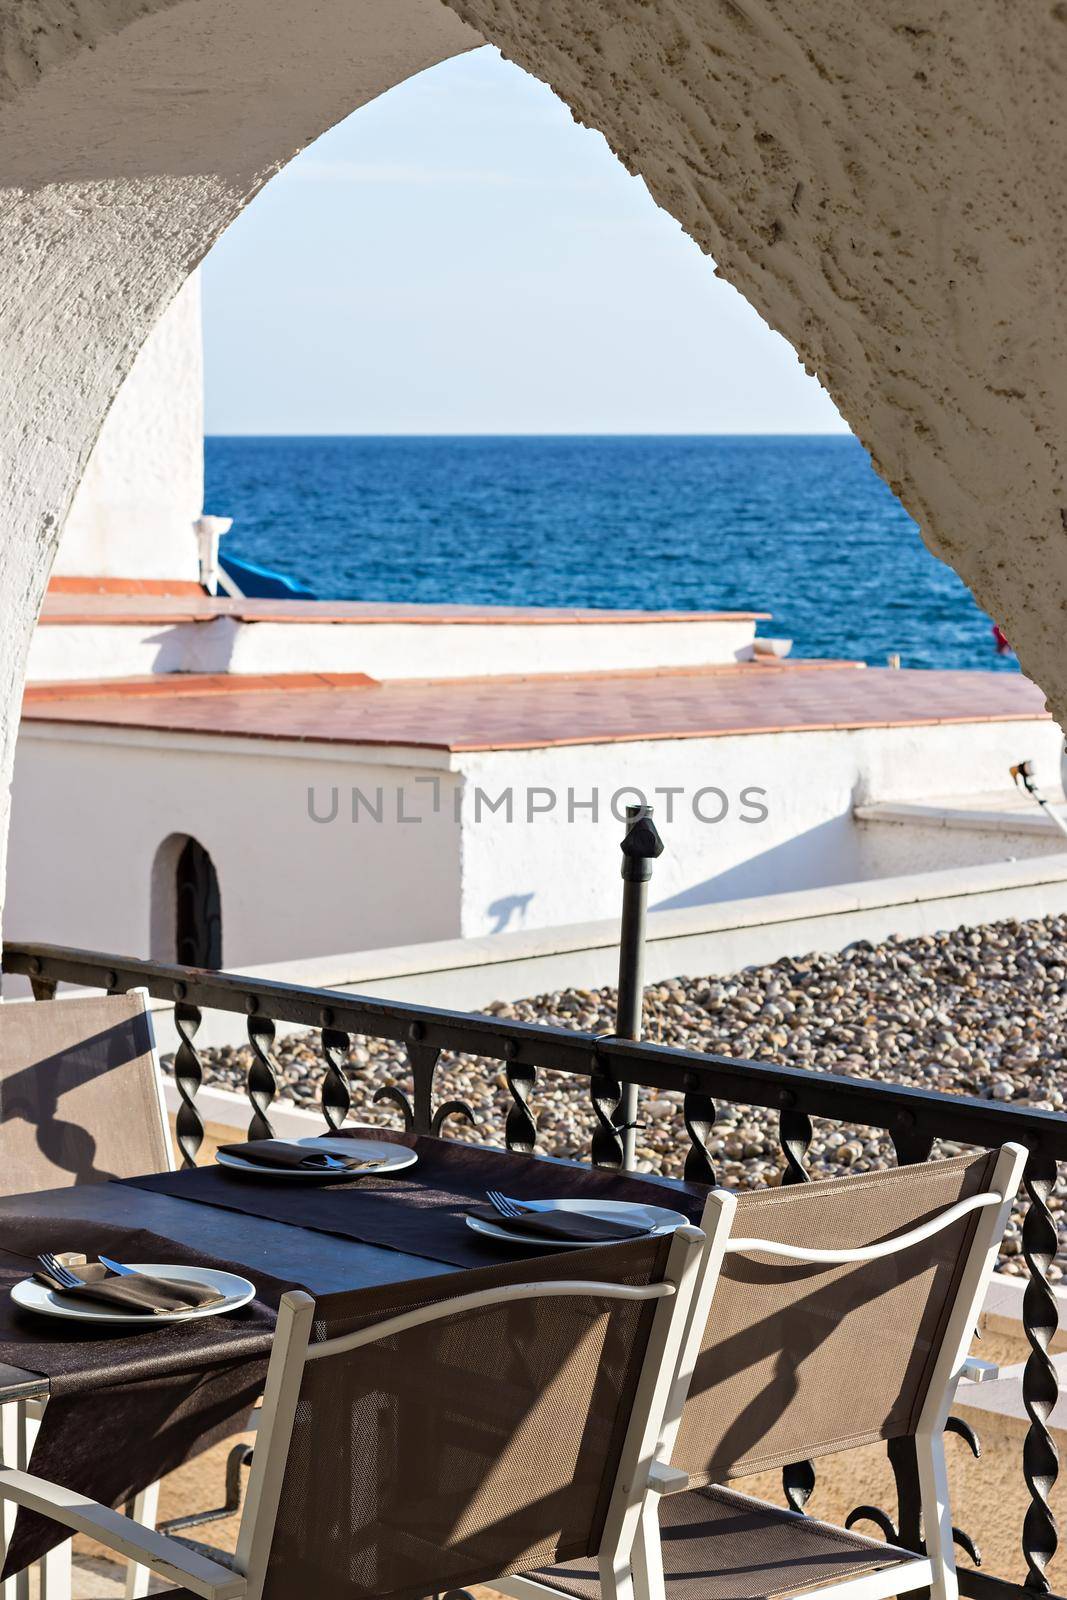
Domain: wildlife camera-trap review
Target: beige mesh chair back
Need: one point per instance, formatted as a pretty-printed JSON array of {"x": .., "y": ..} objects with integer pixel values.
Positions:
[
  {"x": 479, "y": 1436},
  {"x": 798, "y": 1358},
  {"x": 827, "y": 1316},
  {"x": 80, "y": 1093},
  {"x": 436, "y": 1441}
]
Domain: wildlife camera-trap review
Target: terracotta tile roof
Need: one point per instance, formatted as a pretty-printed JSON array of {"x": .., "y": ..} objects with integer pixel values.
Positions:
[
  {"x": 531, "y": 713},
  {"x": 165, "y": 685},
  {"x": 171, "y": 684},
  {"x": 174, "y": 607},
  {"x": 125, "y": 586}
]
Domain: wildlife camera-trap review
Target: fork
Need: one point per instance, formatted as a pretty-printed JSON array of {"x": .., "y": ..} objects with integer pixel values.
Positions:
[
  {"x": 59, "y": 1272},
  {"x": 507, "y": 1208}
]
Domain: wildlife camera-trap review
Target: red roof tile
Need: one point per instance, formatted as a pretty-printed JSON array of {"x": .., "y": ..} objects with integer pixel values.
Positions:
[
  {"x": 529, "y": 713},
  {"x": 125, "y": 586}
]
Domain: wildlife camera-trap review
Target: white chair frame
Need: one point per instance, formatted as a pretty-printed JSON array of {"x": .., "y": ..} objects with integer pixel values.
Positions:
[
  {"x": 144, "y": 1546},
  {"x": 20, "y": 1421},
  {"x": 937, "y": 1569}
]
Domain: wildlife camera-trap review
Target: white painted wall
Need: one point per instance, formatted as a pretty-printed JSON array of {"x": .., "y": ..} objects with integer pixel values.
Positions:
[
  {"x": 888, "y": 848},
  {"x": 65, "y": 652},
  {"x": 143, "y": 487},
  {"x": 60, "y": 651},
  {"x": 398, "y": 650},
  {"x": 90, "y": 811},
  {"x": 92, "y": 807},
  {"x": 562, "y": 866}
]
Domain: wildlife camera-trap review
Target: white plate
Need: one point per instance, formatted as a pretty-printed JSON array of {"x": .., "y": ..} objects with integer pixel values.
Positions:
[
  {"x": 33, "y": 1296},
  {"x": 387, "y": 1157},
  {"x": 657, "y": 1219}
]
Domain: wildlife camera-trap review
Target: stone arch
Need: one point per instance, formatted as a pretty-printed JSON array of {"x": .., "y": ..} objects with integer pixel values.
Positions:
[{"x": 885, "y": 192}]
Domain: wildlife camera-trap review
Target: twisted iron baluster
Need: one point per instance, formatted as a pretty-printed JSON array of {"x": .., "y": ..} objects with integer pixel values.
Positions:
[
  {"x": 188, "y": 1076},
  {"x": 795, "y": 1135},
  {"x": 262, "y": 1085},
  {"x": 605, "y": 1091},
  {"x": 1040, "y": 1389},
  {"x": 336, "y": 1095},
  {"x": 911, "y": 1146},
  {"x": 520, "y": 1128},
  {"x": 699, "y": 1113},
  {"x": 798, "y": 1482}
]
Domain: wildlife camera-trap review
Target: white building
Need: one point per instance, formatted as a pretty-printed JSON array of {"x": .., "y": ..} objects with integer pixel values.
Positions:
[{"x": 269, "y": 780}]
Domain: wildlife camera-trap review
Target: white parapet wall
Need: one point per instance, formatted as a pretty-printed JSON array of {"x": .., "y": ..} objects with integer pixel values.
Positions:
[
  {"x": 468, "y": 974},
  {"x": 312, "y": 636}
]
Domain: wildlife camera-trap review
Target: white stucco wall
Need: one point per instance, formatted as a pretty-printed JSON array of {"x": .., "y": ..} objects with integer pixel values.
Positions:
[
  {"x": 92, "y": 807},
  {"x": 143, "y": 487},
  {"x": 131, "y": 135},
  {"x": 59, "y": 652},
  {"x": 90, "y": 813},
  {"x": 889, "y": 848},
  {"x": 563, "y": 867}
]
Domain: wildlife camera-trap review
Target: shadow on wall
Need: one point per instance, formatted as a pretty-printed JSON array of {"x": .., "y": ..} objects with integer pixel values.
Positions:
[
  {"x": 44, "y": 1148},
  {"x": 827, "y": 853},
  {"x": 195, "y": 646},
  {"x": 511, "y": 908}
]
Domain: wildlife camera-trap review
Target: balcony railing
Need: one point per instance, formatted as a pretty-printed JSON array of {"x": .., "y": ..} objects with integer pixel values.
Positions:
[{"x": 914, "y": 1120}]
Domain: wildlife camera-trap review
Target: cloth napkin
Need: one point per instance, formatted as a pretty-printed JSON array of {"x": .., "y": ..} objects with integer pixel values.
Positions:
[
  {"x": 283, "y": 1153},
  {"x": 562, "y": 1225},
  {"x": 141, "y": 1292}
]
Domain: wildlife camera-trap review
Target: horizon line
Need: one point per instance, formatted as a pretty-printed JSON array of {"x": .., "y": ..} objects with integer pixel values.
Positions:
[{"x": 471, "y": 434}]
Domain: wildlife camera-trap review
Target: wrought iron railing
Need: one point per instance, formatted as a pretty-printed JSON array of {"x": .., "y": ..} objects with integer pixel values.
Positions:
[{"x": 914, "y": 1119}]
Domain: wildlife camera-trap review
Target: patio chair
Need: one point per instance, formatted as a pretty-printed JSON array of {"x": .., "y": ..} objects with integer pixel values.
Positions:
[
  {"x": 436, "y": 1441},
  {"x": 81, "y": 1101},
  {"x": 81, "y": 1097},
  {"x": 829, "y": 1315}
]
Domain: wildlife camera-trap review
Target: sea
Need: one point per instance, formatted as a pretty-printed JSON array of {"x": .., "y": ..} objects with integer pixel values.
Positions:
[{"x": 801, "y": 527}]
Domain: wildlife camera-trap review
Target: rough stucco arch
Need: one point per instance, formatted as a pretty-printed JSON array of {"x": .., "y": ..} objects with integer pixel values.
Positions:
[
  {"x": 131, "y": 135},
  {"x": 882, "y": 186}
]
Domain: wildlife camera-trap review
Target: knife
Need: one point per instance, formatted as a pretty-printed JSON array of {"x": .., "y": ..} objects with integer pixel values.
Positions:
[{"x": 117, "y": 1268}]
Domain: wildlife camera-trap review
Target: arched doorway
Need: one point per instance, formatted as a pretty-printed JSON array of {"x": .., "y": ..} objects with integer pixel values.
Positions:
[
  {"x": 198, "y": 908},
  {"x": 186, "y": 904}
]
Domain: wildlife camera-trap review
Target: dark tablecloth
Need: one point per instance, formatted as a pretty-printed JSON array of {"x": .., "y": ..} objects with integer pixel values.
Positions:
[
  {"x": 128, "y": 1406},
  {"x": 125, "y": 1405},
  {"x": 421, "y": 1209}
]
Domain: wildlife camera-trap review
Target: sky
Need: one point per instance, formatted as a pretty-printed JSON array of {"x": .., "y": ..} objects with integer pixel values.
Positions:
[{"x": 460, "y": 256}]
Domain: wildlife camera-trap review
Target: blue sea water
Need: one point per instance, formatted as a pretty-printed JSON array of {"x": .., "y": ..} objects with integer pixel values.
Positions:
[{"x": 801, "y": 527}]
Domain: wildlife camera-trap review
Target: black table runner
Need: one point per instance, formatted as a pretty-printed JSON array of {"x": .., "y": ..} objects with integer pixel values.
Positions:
[
  {"x": 421, "y": 1209},
  {"x": 125, "y": 1405}
]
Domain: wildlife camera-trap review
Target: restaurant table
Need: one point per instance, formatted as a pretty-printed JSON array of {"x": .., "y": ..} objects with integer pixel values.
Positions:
[{"x": 200, "y": 1376}]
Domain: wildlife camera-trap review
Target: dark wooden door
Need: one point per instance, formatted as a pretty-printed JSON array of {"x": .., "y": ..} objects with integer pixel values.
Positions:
[{"x": 199, "y": 930}]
